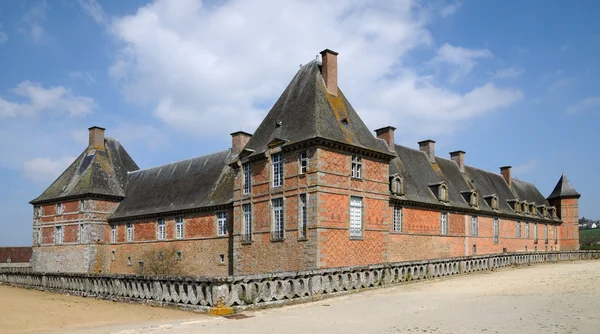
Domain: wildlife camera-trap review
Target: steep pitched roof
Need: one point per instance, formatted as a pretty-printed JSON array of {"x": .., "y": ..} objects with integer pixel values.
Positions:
[
  {"x": 190, "y": 184},
  {"x": 305, "y": 110},
  {"x": 94, "y": 172},
  {"x": 563, "y": 189}
]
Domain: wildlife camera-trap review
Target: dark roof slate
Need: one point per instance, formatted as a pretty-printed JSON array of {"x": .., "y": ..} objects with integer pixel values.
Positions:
[
  {"x": 305, "y": 111},
  {"x": 190, "y": 184},
  {"x": 564, "y": 188},
  {"x": 94, "y": 172}
]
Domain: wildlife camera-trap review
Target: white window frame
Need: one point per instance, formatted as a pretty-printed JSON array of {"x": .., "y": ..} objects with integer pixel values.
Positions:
[
  {"x": 527, "y": 234},
  {"x": 130, "y": 232},
  {"x": 496, "y": 230},
  {"x": 303, "y": 159},
  {"x": 59, "y": 209},
  {"x": 474, "y": 226},
  {"x": 518, "y": 228},
  {"x": 555, "y": 234},
  {"x": 59, "y": 235},
  {"x": 247, "y": 232},
  {"x": 356, "y": 167},
  {"x": 277, "y": 169},
  {"x": 81, "y": 233},
  {"x": 161, "y": 229},
  {"x": 278, "y": 226},
  {"x": 303, "y": 216},
  {"x": 398, "y": 219},
  {"x": 221, "y": 223},
  {"x": 179, "y": 233},
  {"x": 113, "y": 233},
  {"x": 535, "y": 231},
  {"x": 443, "y": 193},
  {"x": 247, "y": 169},
  {"x": 444, "y": 223},
  {"x": 546, "y": 233},
  {"x": 356, "y": 217}
]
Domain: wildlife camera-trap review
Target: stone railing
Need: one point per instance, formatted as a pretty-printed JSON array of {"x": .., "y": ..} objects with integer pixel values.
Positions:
[
  {"x": 255, "y": 291},
  {"x": 15, "y": 267}
]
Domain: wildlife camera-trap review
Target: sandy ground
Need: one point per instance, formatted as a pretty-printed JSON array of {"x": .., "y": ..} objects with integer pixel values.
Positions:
[{"x": 547, "y": 298}]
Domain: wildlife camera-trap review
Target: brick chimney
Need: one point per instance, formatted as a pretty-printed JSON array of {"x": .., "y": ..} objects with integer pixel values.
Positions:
[
  {"x": 96, "y": 137},
  {"x": 239, "y": 139},
  {"x": 505, "y": 171},
  {"x": 459, "y": 158},
  {"x": 428, "y": 146},
  {"x": 330, "y": 71},
  {"x": 387, "y": 134}
]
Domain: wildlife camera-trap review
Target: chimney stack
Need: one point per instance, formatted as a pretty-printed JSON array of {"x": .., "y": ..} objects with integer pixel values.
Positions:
[
  {"x": 96, "y": 137},
  {"x": 427, "y": 146},
  {"x": 459, "y": 158},
  {"x": 239, "y": 139},
  {"x": 387, "y": 134},
  {"x": 329, "y": 71},
  {"x": 505, "y": 171}
]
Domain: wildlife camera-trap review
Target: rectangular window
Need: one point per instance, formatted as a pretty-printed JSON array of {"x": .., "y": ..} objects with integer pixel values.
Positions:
[
  {"x": 113, "y": 232},
  {"x": 278, "y": 223},
  {"x": 178, "y": 227},
  {"x": 496, "y": 230},
  {"x": 129, "y": 260},
  {"x": 397, "y": 226},
  {"x": 59, "y": 209},
  {"x": 39, "y": 235},
  {"x": 444, "y": 223},
  {"x": 526, "y": 230},
  {"x": 546, "y": 233},
  {"x": 129, "y": 232},
  {"x": 112, "y": 255},
  {"x": 277, "y": 170},
  {"x": 247, "y": 236},
  {"x": 555, "y": 234},
  {"x": 81, "y": 233},
  {"x": 356, "y": 217},
  {"x": 38, "y": 211},
  {"x": 474, "y": 226},
  {"x": 535, "y": 232},
  {"x": 518, "y": 229},
  {"x": 221, "y": 223},
  {"x": 356, "y": 167},
  {"x": 247, "y": 177},
  {"x": 161, "y": 230},
  {"x": 303, "y": 219},
  {"x": 59, "y": 235},
  {"x": 303, "y": 162}
]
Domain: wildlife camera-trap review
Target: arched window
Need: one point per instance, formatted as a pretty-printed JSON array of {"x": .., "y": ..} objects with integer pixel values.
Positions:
[
  {"x": 396, "y": 185},
  {"x": 474, "y": 200}
]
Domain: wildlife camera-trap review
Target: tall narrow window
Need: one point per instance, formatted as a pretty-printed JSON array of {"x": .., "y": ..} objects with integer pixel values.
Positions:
[
  {"x": 535, "y": 232},
  {"x": 303, "y": 162},
  {"x": 518, "y": 227},
  {"x": 178, "y": 227},
  {"x": 81, "y": 205},
  {"x": 39, "y": 235},
  {"x": 302, "y": 219},
  {"x": 278, "y": 223},
  {"x": 59, "y": 235},
  {"x": 474, "y": 226},
  {"x": 496, "y": 230},
  {"x": 355, "y": 217},
  {"x": 59, "y": 209},
  {"x": 444, "y": 223},
  {"x": 545, "y": 233},
  {"x": 113, "y": 232},
  {"x": 129, "y": 232},
  {"x": 397, "y": 226},
  {"x": 81, "y": 233},
  {"x": 526, "y": 230},
  {"x": 221, "y": 223},
  {"x": 356, "y": 167},
  {"x": 161, "y": 231},
  {"x": 247, "y": 177},
  {"x": 555, "y": 234},
  {"x": 247, "y": 236},
  {"x": 277, "y": 170}
]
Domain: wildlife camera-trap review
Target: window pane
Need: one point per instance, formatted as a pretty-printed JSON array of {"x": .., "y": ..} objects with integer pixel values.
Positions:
[{"x": 355, "y": 216}]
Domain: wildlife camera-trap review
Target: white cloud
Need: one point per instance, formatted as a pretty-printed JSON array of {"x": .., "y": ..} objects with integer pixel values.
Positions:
[
  {"x": 45, "y": 170},
  {"x": 132, "y": 133},
  {"x": 87, "y": 77},
  {"x": 212, "y": 70},
  {"x": 585, "y": 104},
  {"x": 526, "y": 168},
  {"x": 37, "y": 100},
  {"x": 93, "y": 9},
  {"x": 505, "y": 73},
  {"x": 3, "y": 37},
  {"x": 450, "y": 9},
  {"x": 32, "y": 20},
  {"x": 462, "y": 59}
]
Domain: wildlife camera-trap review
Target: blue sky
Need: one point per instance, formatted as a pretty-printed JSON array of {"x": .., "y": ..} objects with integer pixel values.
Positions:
[{"x": 509, "y": 82}]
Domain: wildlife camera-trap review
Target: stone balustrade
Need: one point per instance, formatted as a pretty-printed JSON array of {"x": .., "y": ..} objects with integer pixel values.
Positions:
[{"x": 252, "y": 291}]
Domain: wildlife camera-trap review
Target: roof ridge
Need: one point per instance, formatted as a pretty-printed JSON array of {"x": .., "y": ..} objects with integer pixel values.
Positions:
[{"x": 177, "y": 162}]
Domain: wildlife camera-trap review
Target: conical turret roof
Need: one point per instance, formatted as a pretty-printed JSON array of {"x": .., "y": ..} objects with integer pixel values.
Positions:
[{"x": 564, "y": 189}]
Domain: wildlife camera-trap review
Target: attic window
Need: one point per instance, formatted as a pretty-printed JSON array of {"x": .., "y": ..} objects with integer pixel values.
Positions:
[
  {"x": 443, "y": 193},
  {"x": 524, "y": 208},
  {"x": 492, "y": 201},
  {"x": 544, "y": 211},
  {"x": 344, "y": 121},
  {"x": 473, "y": 200},
  {"x": 278, "y": 124},
  {"x": 396, "y": 185},
  {"x": 533, "y": 209}
]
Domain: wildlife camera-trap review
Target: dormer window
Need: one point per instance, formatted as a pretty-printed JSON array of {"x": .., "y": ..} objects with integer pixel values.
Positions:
[
  {"x": 442, "y": 191},
  {"x": 525, "y": 208},
  {"x": 533, "y": 209},
  {"x": 396, "y": 185},
  {"x": 492, "y": 201},
  {"x": 552, "y": 212},
  {"x": 474, "y": 199},
  {"x": 543, "y": 210},
  {"x": 514, "y": 204}
]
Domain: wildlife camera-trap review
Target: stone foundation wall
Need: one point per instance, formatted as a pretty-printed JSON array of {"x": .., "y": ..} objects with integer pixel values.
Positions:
[{"x": 255, "y": 291}]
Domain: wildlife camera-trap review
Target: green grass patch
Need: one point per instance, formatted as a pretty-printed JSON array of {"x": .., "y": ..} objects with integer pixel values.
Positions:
[{"x": 589, "y": 247}]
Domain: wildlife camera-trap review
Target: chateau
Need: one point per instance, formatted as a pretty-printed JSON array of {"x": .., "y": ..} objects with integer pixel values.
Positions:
[{"x": 312, "y": 188}]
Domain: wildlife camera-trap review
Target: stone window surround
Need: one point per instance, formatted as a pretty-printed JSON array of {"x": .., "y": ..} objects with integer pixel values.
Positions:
[{"x": 356, "y": 167}]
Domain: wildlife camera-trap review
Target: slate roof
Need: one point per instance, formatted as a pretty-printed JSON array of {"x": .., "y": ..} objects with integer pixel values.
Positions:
[
  {"x": 305, "y": 110},
  {"x": 419, "y": 174},
  {"x": 94, "y": 172},
  {"x": 563, "y": 189},
  {"x": 185, "y": 185}
]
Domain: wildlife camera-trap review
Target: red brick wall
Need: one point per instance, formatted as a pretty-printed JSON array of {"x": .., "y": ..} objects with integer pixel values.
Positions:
[{"x": 15, "y": 254}]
